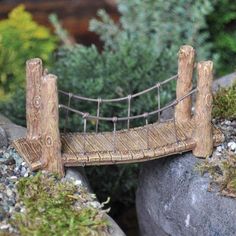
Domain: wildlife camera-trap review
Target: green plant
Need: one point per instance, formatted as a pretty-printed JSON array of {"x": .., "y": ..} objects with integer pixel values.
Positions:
[
  {"x": 139, "y": 52},
  {"x": 221, "y": 25},
  {"x": 21, "y": 38},
  {"x": 17, "y": 44},
  {"x": 55, "y": 207},
  {"x": 224, "y": 103}
]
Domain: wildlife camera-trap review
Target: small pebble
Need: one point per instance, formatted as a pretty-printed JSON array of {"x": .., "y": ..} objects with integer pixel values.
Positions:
[{"x": 232, "y": 146}]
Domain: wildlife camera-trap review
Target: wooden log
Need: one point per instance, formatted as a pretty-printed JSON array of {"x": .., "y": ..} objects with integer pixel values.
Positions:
[
  {"x": 184, "y": 83},
  {"x": 51, "y": 143},
  {"x": 203, "y": 133},
  {"x": 34, "y": 70}
]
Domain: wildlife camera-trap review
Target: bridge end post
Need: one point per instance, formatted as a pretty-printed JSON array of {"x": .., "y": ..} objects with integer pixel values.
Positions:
[
  {"x": 51, "y": 143},
  {"x": 34, "y": 71},
  {"x": 184, "y": 83},
  {"x": 203, "y": 133}
]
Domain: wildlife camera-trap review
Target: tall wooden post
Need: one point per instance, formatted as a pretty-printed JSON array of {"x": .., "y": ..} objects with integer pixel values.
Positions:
[
  {"x": 34, "y": 70},
  {"x": 51, "y": 144},
  {"x": 184, "y": 83},
  {"x": 203, "y": 133}
]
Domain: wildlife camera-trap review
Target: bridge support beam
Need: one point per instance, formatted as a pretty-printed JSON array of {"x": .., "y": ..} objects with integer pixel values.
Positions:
[
  {"x": 51, "y": 143},
  {"x": 184, "y": 83},
  {"x": 203, "y": 133},
  {"x": 34, "y": 70}
]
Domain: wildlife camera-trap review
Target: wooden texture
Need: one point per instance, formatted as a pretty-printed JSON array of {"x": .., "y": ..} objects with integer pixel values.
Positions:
[
  {"x": 131, "y": 145},
  {"x": 203, "y": 132},
  {"x": 34, "y": 70},
  {"x": 51, "y": 144},
  {"x": 184, "y": 83}
]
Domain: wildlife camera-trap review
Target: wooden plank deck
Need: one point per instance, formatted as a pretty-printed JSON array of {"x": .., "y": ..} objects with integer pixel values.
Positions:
[{"x": 131, "y": 146}]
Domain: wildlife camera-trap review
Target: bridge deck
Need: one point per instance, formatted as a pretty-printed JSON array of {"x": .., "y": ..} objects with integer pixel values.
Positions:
[{"x": 131, "y": 146}]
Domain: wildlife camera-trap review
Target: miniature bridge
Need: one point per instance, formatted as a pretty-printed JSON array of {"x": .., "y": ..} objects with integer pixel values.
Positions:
[{"x": 45, "y": 148}]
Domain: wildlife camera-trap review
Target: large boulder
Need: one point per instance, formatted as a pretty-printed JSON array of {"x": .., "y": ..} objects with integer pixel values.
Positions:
[{"x": 173, "y": 199}]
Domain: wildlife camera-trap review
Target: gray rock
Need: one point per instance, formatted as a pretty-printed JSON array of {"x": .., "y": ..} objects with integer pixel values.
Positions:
[
  {"x": 114, "y": 229},
  {"x": 225, "y": 81},
  {"x": 14, "y": 131},
  {"x": 78, "y": 174},
  {"x": 173, "y": 199},
  {"x": 3, "y": 138}
]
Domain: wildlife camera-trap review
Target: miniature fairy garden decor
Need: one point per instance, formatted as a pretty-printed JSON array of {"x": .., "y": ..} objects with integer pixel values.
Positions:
[
  {"x": 45, "y": 148},
  {"x": 47, "y": 196}
]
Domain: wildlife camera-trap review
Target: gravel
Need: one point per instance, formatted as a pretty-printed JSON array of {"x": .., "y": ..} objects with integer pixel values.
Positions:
[{"x": 12, "y": 168}]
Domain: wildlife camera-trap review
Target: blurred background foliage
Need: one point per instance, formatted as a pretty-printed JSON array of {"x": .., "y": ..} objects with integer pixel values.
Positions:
[
  {"x": 138, "y": 51},
  {"x": 21, "y": 38},
  {"x": 222, "y": 30}
]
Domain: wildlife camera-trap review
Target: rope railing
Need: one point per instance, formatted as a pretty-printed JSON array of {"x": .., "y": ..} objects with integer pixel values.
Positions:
[
  {"x": 101, "y": 118},
  {"x": 128, "y": 98},
  {"x": 86, "y": 116},
  {"x": 121, "y": 98}
]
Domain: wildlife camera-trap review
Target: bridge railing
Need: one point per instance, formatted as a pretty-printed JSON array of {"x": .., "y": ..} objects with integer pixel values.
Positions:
[{"x": 43, "y": 116}]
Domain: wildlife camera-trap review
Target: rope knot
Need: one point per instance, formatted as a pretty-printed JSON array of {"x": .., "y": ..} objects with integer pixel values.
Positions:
[
  {"x": 158, "y": 85},
  {"x": 176, "y": 102},
  {"x": 85, "y": 115},
  {"x": 145, "y": 115},
  {"x": 99, "y": 100},
  {"x": 70, "y": 95},
  {"x": 129, "y": 96},
  {"x": 114, "y": 119}
]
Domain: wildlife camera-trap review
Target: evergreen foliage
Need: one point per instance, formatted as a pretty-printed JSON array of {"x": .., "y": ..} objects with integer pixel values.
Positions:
[
  {"x": 138, "y": 52},
  {"x": 222, "y": 28}
]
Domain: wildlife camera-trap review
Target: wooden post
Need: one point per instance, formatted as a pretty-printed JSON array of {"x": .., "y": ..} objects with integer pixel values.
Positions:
[
  {"x": 34, "y": 70},
  {"x": 203, "y": 133},
  {"x": 51, "y": 144},
  {"x": 184, "y": 83}
]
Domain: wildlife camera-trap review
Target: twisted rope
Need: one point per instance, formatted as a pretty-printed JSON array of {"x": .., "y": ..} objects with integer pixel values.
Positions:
[
  {"x": 121, "y": 98},
  {"x": 91, "y": 117}
]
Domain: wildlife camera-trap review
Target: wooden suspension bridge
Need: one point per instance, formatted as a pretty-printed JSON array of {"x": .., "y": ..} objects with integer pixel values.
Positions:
[{"x": 45, "y": 148}]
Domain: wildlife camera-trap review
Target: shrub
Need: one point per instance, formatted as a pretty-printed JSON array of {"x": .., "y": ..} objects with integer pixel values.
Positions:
[
  {"x": 21, "y": 38},
  {"x": 221, "y": 24},
  {"x": 138, "y": 53}
]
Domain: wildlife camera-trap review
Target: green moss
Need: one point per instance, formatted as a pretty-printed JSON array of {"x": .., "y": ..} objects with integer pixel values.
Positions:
[
  {"x": 54, "y": 207},
  {"x": 223, "y": 172},
  {"x": 224, "y": 104}
]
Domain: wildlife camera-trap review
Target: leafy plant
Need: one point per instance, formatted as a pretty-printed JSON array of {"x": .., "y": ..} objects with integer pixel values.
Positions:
[
  {"x": 21, "y": 38},
  {"x": 221, "y": 25},
  {"x": 224, "y": 103},
  {"x": 54, "y": 207}
]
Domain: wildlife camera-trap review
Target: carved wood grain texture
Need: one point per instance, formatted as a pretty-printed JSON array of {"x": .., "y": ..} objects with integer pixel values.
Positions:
[
  {"x": 203, "y": 133},
  {"x": 34, "y": 70},
  {"x": 184, "y": 83},
  {"x": 51, "y": 144}
]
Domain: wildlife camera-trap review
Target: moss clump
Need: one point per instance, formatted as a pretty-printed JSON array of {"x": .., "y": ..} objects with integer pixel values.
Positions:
[
  {"x": 55, "y": 207},
  {"x": 223, "y": 172},
  {"x": 224, "y": 103}
]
